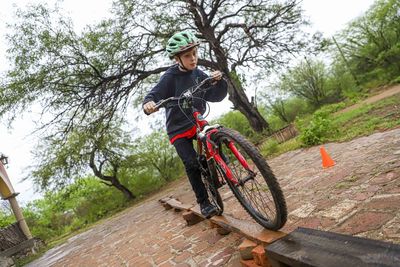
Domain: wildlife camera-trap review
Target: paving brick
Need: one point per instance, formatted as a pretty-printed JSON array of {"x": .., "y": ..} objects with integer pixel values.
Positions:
[
  {"x": 364, "y": 221},
  {"x": 182, "y": 257},
  {"x": 210, "y": 236},
  {"x": 165, "y": 264},
  {"x": 191, "y": 218},
  {"x": 362, "y": 196},
  {"x": 259, "y": 256},
  {"x": 384, "y": 178},
  {"x": 315, "y": 223},
  {"x": 163, "y": 256},
  {"x": 181, "y": 245},
  {"x": 245, "y": 249},
  {"x": 200, "y": 246},
  {"x": 249, "y": 263},
  {"x": 384, "y": 202},
  {"x": 222, "y": 257}
]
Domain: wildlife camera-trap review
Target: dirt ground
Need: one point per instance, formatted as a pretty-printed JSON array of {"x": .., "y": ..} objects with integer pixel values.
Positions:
[{"x": 393, "y": 90}]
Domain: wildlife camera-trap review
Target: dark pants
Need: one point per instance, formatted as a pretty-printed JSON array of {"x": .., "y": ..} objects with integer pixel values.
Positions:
[{"x": 184, "y": 148}]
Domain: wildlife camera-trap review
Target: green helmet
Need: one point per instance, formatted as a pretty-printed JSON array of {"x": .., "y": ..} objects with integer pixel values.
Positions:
[{"x": 180, "y": 42}]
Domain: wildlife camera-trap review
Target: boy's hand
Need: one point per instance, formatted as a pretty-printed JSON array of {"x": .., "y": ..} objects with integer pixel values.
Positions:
[
  {"x": 216, "y": 75},
  {"x": 150, "y": 107}
]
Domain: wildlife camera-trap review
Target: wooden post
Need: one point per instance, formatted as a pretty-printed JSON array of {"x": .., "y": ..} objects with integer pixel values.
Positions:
[
  {"x": 18, "y": 215},
  {"x": 7, "y": 192}
]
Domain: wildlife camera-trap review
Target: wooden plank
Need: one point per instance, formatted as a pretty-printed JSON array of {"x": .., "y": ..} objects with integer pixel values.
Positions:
[
  {"x": 248, "y": 229},
  {"x": 309, "y": 247},
  {"x": 177, "y": 205}
]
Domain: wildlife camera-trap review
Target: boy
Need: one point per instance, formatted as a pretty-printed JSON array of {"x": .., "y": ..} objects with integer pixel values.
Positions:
[{"x": 182, "y": 47}]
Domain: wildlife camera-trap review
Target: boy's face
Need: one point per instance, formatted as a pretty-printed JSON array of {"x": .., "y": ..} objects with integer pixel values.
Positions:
[{"x": 188, "y": 59}]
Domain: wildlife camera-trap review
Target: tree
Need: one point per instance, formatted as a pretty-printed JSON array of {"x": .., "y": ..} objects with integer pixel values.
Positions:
[
  {"x": 63, "y": 162},
  {"x": 92, "y": 78},
  {"x": 87, "y": 82},
  {"x": 275, "y": 97},
  {"x": 307, "y": 80},
  {"x": 371, "y": 43},
  {"x": 154, "y": 152}
]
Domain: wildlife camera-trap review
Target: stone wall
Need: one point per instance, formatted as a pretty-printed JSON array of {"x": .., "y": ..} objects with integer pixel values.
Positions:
[{"x": 11, "y": 236}]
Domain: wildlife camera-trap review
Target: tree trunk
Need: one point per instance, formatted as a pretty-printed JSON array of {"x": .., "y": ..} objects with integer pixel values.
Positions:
[
  {"x": 237, "y": 95},
  {"x": 240, "y": 102},
  {"x": 127, "y": 193},
  {"x": 112, "y": 179}
]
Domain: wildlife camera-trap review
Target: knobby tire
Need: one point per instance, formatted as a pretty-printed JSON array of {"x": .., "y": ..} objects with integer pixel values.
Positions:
[{"x": 266, "y": 206}]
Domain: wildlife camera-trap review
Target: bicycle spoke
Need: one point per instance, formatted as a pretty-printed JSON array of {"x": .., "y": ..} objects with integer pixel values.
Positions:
[
  {"x": 252, "y": 181},
  {"x": 257, "y": 199},
  {"x": 256, "y": 193}
]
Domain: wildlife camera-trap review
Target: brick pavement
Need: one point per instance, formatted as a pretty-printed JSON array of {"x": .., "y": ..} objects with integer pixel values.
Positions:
[{"x": 358, "y": 196}]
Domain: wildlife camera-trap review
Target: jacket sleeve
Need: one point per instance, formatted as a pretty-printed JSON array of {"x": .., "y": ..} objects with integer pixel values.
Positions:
[
  {"x": 216, "y": 92},
  {"x": 160, "y": 91}
]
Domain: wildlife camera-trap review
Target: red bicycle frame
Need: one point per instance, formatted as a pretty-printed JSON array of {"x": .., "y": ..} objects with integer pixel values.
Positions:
[{"x": 211, "y": 149}]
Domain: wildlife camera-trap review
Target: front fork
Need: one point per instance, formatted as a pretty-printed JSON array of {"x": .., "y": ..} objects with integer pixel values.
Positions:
[{"x": 213, "y": 152}]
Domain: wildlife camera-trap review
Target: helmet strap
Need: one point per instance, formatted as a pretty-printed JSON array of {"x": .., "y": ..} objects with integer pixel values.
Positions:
[{"x": 181, "y": 64}]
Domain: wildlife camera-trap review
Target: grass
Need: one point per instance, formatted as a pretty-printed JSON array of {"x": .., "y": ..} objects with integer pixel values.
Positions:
[
  {"x": 346, "y": 183},
  {"x": 42, "y": 250},
  {"x": 278, "y": 149},
  {"x": 364, "y": 120}
]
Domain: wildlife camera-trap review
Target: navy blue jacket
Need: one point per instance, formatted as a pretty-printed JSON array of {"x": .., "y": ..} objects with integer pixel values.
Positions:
[{"x": 172, "y": 83}]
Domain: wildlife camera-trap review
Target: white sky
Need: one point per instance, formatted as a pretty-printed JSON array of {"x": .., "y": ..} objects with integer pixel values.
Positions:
[{"x": 327, "y": 16}]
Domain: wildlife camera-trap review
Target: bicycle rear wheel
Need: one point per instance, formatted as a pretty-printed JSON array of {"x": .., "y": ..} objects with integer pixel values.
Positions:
[{"x": 257, "y": 188}]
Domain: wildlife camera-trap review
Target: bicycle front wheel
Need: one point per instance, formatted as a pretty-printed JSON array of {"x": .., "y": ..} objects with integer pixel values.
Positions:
[{"x": 252, "y": 182}]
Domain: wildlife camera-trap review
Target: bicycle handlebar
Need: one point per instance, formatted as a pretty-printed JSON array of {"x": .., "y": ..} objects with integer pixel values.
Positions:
[{"x": 188, "y": 94}]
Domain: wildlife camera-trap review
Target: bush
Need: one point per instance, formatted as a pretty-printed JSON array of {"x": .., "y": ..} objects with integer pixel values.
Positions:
[
  {"x": 236, "y": 120},
  {"x": 270, "y": 147},
  {"x": 318, "y": 130}
]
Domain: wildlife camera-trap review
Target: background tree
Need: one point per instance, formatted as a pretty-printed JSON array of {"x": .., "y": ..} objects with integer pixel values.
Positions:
[
  {"x": 307, "y": 80},
  {"x": 6, "y": 215},
  {"x": 274, "y": 98},
  {"x": 63, "y": 162},
  {"x": 155, "y": 152},
  {"x": 86, "y": 82},
  {"x": 92, "y": 78},
  {"x": 371, "y": 43}
]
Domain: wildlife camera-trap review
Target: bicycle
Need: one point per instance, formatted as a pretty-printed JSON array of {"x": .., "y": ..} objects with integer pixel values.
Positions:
[{"x": 226, "y": 157}]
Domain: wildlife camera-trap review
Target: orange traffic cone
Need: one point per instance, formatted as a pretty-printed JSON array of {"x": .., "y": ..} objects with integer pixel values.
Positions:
[{"x": 326, "y": 159}]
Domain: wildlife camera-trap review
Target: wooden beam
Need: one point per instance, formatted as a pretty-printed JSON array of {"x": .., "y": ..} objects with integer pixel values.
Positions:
[{"x": 309, "y": 247}]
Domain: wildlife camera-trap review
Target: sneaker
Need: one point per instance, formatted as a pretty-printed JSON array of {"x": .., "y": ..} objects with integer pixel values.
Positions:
[{"x": 207, "y": 209}]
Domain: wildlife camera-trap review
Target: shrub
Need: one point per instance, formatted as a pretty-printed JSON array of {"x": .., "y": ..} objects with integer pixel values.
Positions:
[
  {"x": 318, "y": 130},
  {"x": 270, "y": 147},
  {"x": 236, "y": 120}
]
